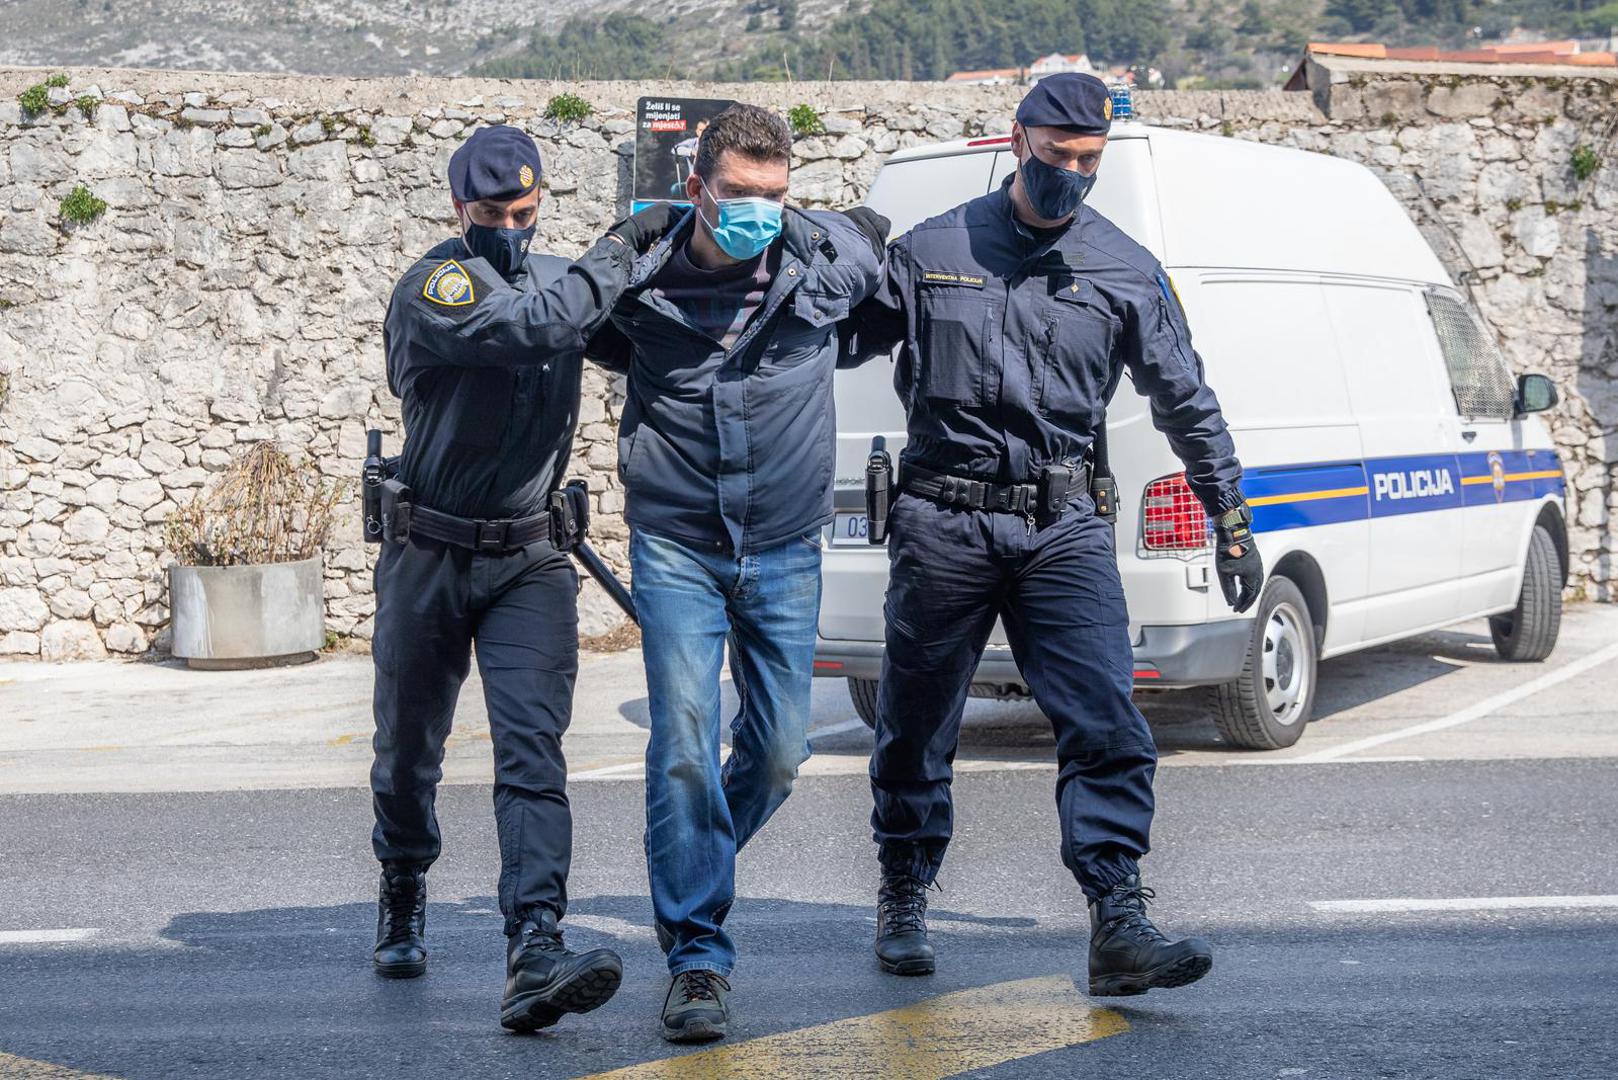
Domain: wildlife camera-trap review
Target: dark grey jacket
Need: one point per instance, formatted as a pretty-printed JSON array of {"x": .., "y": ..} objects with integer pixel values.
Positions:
[
  {"x": 736, "y": 450},
  {"x": 488, "y": 372}
]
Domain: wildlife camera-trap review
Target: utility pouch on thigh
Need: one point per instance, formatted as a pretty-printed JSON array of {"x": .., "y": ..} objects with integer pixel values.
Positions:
[{"x": 395, "y": 510}]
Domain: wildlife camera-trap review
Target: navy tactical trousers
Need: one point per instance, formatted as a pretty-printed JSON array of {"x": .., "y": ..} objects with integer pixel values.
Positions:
[
  {"x": 521, "y": 609},
  {"x": 1057, "y": 589}
]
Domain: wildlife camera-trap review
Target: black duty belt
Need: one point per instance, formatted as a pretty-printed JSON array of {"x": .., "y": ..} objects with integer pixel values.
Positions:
[
  {"x": 1044, "y": 499},
  {"x": 479, "y": 534}
]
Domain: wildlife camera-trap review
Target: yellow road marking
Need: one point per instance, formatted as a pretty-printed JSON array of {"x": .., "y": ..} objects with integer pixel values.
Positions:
[
  {"x": 18, "y": 1068},
  {"x": 1308, "y": 496},
  {"x": 945, "y": 1036}
]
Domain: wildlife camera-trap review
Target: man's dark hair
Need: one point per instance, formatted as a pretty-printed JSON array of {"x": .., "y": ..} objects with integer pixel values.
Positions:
[{"x": 748, "y": 130}]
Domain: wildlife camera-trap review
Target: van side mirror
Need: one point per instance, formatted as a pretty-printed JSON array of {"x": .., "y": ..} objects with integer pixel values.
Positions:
[{"x": 1535, "y": 393}]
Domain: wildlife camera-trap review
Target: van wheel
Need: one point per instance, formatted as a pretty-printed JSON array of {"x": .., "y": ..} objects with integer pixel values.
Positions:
[
  {"x": 863, "y": 691},
  {"x": 1528, "y": 631},
  {"x": 1267, "y": 707}
]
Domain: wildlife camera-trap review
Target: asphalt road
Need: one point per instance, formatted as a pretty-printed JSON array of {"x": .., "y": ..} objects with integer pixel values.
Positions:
[{"x": 176, "y": 928}]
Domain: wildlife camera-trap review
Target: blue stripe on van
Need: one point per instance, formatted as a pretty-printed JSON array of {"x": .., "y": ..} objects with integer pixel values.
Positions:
[{"x": 1326, "y": 493}]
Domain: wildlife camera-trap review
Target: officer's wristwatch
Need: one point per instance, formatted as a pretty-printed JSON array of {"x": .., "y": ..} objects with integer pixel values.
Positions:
[{"x": 1235, "y": 524}]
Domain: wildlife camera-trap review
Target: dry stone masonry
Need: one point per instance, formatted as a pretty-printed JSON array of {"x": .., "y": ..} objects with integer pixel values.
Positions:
[{"x": 234, "y": 288}]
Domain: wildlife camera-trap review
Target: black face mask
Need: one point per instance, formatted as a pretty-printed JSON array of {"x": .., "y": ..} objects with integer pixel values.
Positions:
[
  {"x": 503, "y": 249},
  {"x": 1053, "y": 193}
]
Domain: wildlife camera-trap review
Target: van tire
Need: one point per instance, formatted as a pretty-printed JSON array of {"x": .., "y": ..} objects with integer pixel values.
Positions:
[
  {"x": 863, "y": 691},
  {"x": 1267, "y": 707},
  {"x": 1528, "y": 632}
]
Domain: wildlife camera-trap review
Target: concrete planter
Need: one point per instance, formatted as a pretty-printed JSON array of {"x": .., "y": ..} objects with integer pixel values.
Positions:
[{"x": 248, "y": 616}]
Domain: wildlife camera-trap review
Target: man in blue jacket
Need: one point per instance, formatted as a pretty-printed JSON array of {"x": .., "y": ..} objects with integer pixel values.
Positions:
[{"x": 727, "y": 451}]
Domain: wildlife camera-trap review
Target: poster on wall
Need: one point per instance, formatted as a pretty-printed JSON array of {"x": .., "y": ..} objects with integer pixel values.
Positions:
[{"x": 666, "y": 133}]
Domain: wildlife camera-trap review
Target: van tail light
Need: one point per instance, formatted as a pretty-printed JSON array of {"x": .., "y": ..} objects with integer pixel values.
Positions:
[{"x": 1175, "y": 519}]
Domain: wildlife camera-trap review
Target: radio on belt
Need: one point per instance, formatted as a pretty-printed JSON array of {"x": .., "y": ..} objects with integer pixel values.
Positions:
[{"x": 878, "y": 491}]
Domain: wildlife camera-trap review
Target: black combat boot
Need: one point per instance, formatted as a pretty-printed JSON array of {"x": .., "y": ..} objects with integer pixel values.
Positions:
[
  {"x": 1128, "y": 955},
  {"x": 901, "y": 925},
  {"x": 401, "y": 922},
  {"x": 545, "y": 980}
]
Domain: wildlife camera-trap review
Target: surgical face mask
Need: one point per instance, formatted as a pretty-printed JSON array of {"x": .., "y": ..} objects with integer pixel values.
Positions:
[
  {"x": 503, "y": 249},
  {"x": 1053, "y": 194},
  {"x": 745, "y": 226}
]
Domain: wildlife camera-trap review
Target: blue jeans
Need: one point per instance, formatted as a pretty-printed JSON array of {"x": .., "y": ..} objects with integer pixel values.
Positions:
[{"x": 699, "y": 814}]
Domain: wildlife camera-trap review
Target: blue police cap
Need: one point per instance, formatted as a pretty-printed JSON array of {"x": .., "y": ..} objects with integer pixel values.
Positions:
[
  {"x": 497, "y": 162},
  {"x": 1080, "y": 103}
]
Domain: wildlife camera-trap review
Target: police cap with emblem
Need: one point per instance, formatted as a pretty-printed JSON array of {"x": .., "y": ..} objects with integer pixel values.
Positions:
[
  {"x": 1080, "y": 103},
  {"x": 497, "y": 162}
]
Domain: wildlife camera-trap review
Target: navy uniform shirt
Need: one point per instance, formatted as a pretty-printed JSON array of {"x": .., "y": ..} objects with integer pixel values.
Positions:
[
  {"x": 488, "y": 372},
  {"x": 1014, "y": 341}
]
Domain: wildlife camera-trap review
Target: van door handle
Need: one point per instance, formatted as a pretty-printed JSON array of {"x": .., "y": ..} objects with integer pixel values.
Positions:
[{"x": 1469, "y": 435}]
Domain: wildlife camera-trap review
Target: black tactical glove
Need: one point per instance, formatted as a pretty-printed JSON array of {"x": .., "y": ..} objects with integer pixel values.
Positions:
[
  {"x": 1241, "y": 572},
  {"x": 639, "y": 232},
  {"x": 872, "y": 224}
]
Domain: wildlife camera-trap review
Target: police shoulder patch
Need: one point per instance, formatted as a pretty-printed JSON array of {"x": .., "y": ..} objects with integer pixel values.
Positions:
[{"x": 450, "y": 285}]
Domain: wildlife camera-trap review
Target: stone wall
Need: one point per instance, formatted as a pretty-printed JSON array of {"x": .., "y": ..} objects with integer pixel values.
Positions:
[{"x": 234, "y": 288}]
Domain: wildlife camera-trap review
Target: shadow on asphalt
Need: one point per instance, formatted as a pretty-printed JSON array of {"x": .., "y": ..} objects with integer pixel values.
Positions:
[{"x": 288, "y": 992}]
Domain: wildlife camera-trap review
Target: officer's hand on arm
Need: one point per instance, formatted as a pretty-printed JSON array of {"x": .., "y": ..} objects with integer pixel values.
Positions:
[
  {"x": 873, "y": 225},
  {"x": 639, "y": 232},
  {"x": 878, "y": 322},
  {"x": 1236, "y": 559}
]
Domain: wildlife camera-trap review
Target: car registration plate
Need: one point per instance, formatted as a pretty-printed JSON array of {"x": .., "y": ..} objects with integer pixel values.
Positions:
[{"x": 850, "y": 529}]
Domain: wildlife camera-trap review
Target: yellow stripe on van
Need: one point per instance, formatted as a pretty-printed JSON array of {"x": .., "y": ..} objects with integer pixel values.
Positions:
[
  {"x": 1486, "y": 478},
  {"x": 1308, "y": 496}
]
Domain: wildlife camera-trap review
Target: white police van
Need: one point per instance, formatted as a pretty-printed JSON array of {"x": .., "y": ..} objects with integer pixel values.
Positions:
[{"x": 1398, "y": 479}]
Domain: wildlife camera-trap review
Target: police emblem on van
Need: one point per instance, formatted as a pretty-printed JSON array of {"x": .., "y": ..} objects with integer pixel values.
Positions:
[
  {"x": 1497, "y": 475},
  {"x": 449, "y": 285}
]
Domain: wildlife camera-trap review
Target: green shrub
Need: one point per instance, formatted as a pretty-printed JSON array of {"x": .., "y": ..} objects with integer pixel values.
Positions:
[
  {"x": 365, "y": 137},
  {"x": 34, "y": 100},
  {"x": 1585, "y": 162},
  {"x": 568, "y": 108},
  {"x": 81, "y": 206},
  {"x": 87, "y": 106},
  {"x": 805, "y": 121},
  {"x": 56, "y": 81}
]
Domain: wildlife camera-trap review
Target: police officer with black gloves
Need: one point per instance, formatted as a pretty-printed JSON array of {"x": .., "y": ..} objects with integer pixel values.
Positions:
[
  {"x": 484, "y": 345},
  {"x": 1018, "y": 313}
]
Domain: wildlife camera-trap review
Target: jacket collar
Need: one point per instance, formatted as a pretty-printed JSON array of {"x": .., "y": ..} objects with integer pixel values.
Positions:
[{"x": 1066, "y": 243}]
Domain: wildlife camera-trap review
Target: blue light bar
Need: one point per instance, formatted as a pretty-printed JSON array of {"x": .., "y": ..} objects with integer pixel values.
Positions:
[{"x": 1123, "y": 102}]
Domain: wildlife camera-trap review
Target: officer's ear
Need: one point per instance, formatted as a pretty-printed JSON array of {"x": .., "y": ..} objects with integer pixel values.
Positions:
[
  {"x": 1019, "y": 139},
  {"x": 460, "y": 212},
  {"x": 693, "y": 187}
]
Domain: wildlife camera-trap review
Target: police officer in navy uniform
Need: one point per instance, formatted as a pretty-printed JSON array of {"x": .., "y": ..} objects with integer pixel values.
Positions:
[
  {"x": 1018, "y": 313},
  {"x": 485, "y": 345}
]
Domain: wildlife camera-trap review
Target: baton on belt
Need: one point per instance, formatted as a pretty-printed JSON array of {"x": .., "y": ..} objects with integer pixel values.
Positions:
[{"x": 570, "y": 520}]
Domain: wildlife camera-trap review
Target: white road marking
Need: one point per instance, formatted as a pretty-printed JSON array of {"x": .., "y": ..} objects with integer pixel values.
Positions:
[
  {"x": 607, "y": 772},
  {"x": 611, "y": 924},
  {"x": 1311, "y": 761},
  {"x": 855, "y": 724},
  {"x": 1471, "y": 712},
  {"x": 1465, "y": 903},
  {"x": 46, "y": 937}
]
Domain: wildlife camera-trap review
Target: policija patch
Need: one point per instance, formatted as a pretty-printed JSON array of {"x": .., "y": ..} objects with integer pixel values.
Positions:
[
  {"x": 449, "y": 285},
  {"x": 952, "y": 277}
]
